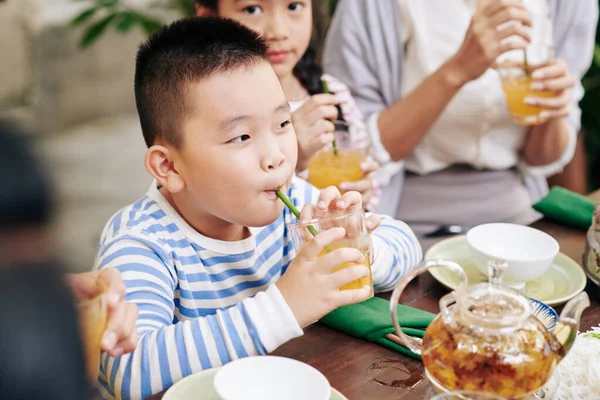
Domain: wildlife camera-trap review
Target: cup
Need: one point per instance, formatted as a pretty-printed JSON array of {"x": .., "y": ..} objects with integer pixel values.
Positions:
[
  {"x": 356, "y": 236},
  {"x": 465, "y": 395},
  {"x": 332, "y": 166},
  {"x": 515, "y": 69},
  {"x": 92, "y": 324}
]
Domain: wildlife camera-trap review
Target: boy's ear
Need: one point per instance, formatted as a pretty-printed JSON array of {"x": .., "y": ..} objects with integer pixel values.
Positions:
[
  {"x": 203, "y": 11},
  {"x": 159, "y": 162}
]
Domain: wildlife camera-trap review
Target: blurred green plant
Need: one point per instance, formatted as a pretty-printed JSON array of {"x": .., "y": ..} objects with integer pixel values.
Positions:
[
  {"x": 104, "y": 14},
  {"x": 590, "y": 117}
]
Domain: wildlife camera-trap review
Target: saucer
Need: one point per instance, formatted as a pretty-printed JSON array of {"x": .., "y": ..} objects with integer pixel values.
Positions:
[
  {"x": 200, "y": 386},
  {"x": 564, "y": 279}
]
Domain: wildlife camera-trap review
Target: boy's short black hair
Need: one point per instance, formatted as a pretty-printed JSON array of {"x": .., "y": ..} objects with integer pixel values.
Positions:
[{"x": 182, "y": 53}]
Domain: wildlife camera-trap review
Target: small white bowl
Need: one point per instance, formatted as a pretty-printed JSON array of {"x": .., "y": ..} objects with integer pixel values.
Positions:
[
  {"x": 271, "y": 378},
  {"x": 529, "y": 252}
]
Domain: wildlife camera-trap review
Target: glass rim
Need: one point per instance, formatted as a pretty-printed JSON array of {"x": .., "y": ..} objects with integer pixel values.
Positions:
[
  {"x": 466, "y": 395},
  {"x": 316, "y": 221}
]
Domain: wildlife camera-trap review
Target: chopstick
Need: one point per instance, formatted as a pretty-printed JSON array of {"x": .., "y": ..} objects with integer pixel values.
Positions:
[{"x": 396, "y": 339}]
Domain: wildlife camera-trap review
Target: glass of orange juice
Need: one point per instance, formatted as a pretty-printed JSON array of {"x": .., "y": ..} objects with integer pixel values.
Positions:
[
  {"x": 356, "y": 237},
  {"x": 334, "y": 165},
  {"x": 92, "y": 324},
  {"x": 515, "y": 73}
]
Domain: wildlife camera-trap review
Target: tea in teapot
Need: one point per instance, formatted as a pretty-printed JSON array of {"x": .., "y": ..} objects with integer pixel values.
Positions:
[{"x": 486, "y": 337}]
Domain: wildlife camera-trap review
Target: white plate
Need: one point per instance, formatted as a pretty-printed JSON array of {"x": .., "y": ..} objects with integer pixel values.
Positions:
[
  {"x": 200, "y": 386},
  {"x": 564, "y": 279}
]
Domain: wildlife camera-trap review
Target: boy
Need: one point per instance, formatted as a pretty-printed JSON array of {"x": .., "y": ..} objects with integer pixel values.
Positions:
[{"x": 206, "y": 254}]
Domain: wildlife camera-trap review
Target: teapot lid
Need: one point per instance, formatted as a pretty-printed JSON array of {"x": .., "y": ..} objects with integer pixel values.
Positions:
[{"x": 492, "y": 304}]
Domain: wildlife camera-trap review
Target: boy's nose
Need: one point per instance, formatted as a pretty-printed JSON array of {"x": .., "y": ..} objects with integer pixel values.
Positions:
[{"x": 273, "y": 160}]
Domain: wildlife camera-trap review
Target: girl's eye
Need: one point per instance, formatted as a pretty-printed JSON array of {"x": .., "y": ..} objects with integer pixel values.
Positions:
[
  {"x": 284, "y": 124},
  {"x": 295, "y": 6},
  {"x": 253, "y": 10},
  {"x": 239, "y": 139}
]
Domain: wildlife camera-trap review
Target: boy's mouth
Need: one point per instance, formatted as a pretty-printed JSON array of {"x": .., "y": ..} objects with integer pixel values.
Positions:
[{"x": 271, "y": 192}]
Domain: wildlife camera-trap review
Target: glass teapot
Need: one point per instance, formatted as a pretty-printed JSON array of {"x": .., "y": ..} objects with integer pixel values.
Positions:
[{"x": 486, "y": 337}]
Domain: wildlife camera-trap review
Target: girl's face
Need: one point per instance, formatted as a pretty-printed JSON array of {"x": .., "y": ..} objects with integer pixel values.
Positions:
[{"x": 285, "y": 24}]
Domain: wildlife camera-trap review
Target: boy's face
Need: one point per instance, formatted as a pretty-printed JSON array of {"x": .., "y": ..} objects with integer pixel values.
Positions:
[
  {"x": 286, "y": 25},
  {"x": 238, "y": 147}
]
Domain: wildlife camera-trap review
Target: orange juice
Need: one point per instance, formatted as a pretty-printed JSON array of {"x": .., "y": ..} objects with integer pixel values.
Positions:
[
  {"x": 327, "y": 169},
  {"x": 517, "y": 88},
  {"x": 92, "y": 324},
  {"x": 360, "y": 282}
]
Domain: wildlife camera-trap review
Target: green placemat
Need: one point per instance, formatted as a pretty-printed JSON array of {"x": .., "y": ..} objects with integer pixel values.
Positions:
[{"x": 371, "y": 320}]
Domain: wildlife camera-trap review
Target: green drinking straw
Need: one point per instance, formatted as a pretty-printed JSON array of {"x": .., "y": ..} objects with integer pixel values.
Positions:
[
  {"x": 526, "y": 63},
  {"x": 326, "y": 90},
  {"x": 293, "y": 209}
]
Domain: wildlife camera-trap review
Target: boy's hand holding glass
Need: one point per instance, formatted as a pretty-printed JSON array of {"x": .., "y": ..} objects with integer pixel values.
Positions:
[
  {"x": 309, "y": 286},
  {"x": 313, "y": 126},
  {"x": 332, "y": 266}
]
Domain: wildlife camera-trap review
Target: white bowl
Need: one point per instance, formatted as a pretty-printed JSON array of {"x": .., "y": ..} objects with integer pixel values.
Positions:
[
  {"x": 529, "y": 252},
  {"x": 271, "y": 378}
]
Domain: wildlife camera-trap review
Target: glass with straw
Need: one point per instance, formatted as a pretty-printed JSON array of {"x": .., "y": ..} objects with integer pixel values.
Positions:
[
  {"x": 356, "y": 236},
  {"x": 517, "y": 66},
  {"x": 340, "y": 162}
]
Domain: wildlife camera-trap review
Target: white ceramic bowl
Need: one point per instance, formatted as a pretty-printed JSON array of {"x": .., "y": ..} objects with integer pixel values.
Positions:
[
  {"x": 271, "y": 378},
  {"x": 529, "y": 252}
]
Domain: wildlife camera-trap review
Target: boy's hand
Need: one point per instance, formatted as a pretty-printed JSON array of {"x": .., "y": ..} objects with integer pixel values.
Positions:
[
  {"x": 120, "y": 336},
  {"x": 330, "y": 199},
  {"x": 313, "y": 126},
  {"x": 365, "y": 185},
  {"x": 309, "y": 287}
]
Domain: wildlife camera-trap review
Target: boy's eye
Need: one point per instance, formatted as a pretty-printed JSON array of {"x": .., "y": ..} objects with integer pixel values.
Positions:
[
  {"x": 295, "y": 6},
  {"x": 253, "y": 10},
  {"x": 284, "y": 124},
  {"x": 239, "y": 139}
]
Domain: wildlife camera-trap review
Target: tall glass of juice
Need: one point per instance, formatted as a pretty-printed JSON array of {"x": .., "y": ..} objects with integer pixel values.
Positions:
[
  {"x": 356, "y": 237},
  {"x": 92, "y": 324},
  {"x": 334, "y": 165},
  {"x": 515, "y": 71}
]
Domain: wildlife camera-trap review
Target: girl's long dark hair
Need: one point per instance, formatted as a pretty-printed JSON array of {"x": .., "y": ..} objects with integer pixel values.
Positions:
[{"x": 308, "y": 70}]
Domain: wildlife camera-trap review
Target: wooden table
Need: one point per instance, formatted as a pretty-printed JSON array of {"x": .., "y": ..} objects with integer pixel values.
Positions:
[{"x": 363, "y": 371}]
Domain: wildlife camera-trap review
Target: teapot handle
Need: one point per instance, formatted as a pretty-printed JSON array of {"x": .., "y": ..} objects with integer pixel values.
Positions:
[{"x": 415, "y": 345}]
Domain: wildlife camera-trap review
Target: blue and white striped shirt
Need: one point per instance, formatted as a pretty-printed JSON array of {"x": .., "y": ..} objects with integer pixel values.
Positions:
[{"x": 205, "y": 302}]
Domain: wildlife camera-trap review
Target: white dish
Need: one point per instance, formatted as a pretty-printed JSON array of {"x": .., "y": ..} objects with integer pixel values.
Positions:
[
  {"x": 564, "y": 279},
  {"x": 271, "y": 378},
  {"x": 200, "y": 386},
  {"x": 528, "y": 252}
]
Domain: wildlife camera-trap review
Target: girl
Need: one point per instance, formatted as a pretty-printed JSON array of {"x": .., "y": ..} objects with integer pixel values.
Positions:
[{"x": 287, "y": 26}]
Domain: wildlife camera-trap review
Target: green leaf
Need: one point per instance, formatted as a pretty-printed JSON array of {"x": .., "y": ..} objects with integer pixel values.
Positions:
[
  {"x": 597, "y": 54},
  {"x": 150, "y": 25},
  {"x": 107, "y": 3},
  {"x": 592, "y": 335},
  {"x": 84, "y": 16},
  {"x": 93, "y": 32},
  {"x": 127, "y": 22}
]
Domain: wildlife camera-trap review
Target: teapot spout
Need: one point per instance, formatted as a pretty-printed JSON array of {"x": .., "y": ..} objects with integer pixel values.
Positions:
[{"x": 568, "y": 324}]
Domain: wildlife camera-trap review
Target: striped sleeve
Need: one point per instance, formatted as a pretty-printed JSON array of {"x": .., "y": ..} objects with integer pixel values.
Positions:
[
  {"x": 396, "y": 250},
  {"x": 169, "y": 349}
]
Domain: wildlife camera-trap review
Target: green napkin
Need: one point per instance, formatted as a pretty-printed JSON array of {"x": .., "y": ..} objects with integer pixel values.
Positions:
[
  {"x": 563, "y": 206},
  {"x": 371, "y": 320}
]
